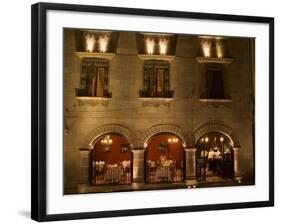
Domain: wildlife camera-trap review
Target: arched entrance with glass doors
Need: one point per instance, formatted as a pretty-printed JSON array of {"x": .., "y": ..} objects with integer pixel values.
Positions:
[
  {"x": 214, "y": 157},
  {"x": 110, "y": 160},
  {"x": 164, "y": 156}
]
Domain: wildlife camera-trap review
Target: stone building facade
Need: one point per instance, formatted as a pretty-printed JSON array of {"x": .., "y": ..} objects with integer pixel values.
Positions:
[{"x": 188, "y": 112}]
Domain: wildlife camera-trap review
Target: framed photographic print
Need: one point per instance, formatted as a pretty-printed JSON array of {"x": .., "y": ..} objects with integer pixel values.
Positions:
[{"x": 138, "y": 105}]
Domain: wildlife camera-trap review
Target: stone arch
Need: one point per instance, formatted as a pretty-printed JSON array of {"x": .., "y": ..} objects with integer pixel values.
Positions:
[
  {"x": 110, "y": 128},
  {"x": 216, "y": 127},
  {"x": 163, "y": 128}
]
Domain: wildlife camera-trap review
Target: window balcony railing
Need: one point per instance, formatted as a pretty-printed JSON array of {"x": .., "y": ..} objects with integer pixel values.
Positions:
[
  {"x": 84, "y": 92},
  {"x": 154, "y": 94}
]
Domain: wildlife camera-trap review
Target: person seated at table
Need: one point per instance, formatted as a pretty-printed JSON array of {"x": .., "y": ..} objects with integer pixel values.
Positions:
[
  {"x": 217, "y": 158},
  {"x": 211, "y": 159},
  {"x": 126, "y": 165},
  {"x": 202, "y": 164}
]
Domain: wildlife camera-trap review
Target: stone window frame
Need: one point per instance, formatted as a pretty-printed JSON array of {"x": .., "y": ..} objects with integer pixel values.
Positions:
[
  {"x": 154, "y": 65},
  {"x": 95, "y": 62}
]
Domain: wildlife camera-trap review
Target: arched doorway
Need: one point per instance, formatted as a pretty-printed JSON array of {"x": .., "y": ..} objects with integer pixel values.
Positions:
[
  {"x": 111, "y": 160},
  {"x": 164, "y": 159},
  {"x": 214, "y": 157}
]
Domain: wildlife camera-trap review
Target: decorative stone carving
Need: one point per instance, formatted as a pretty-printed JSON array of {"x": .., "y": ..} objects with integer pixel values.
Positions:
[
  {"x": 92, "y": 101},
  {"x": 156, "y": 102}
]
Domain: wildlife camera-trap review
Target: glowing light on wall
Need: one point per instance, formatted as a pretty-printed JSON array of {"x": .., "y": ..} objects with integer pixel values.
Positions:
[
  {"x": 163, "y": 46},
  {"x": 206, "y": 139},
  {"x": 90, "y": 42},
  {"x": 206, "y": 47},
  {"x": 219, "y": 49},
  {"x": 103, "y": 42},
  {"x": 173, "y": 140},
  {"x": 150, "y": 43}
]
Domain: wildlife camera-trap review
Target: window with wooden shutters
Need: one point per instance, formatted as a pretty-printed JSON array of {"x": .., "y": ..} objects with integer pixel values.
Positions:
[
  {"x": 94, "y": 78},
  {"x": 156, "y": 79}
]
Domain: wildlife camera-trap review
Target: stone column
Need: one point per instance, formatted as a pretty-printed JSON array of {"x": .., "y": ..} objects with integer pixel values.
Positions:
[
  {"x": 236, "y": 154},
  {"x": 190, "y": 166},
  {"x": 84, "y": 166},
  {"x": 138, "y": 165}
]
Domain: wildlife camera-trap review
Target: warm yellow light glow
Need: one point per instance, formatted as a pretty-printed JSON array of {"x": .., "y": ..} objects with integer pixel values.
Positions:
[
  {"x": 90, "y": 42},
  {"x": 221, "y": 139},
  {"x": 150, "y": 43},
  {"x": 206, "y": 47},
  {"x": 103, "y": 42},
  {"x": 106, "y": 140},
  {"x": 219, "y": 49},
  {"x": 173, "y": 140},
  {"x": 163, "y": 46},
  {"x": 206, "y": 139}
]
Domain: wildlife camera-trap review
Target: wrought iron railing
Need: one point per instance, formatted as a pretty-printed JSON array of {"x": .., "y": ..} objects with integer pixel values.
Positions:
[
  {"x": 163, "y": 174},
  {"x": 84, "y": 92},
  {"x": 112, "y": 175}
]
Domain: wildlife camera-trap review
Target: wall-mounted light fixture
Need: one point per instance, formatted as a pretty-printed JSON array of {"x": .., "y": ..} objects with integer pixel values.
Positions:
[
  {"x": 173, "y": 140},
  {"x": 103, "y": 43},
  {"x": 206, "y": 139},
  {"x": 90, "y": 42},
  {"x": 206, "y": 45},
  {"x": 150, "y": 43},
  {"x": 219, "y": 49},
  {"x": 163, "y": 45}
]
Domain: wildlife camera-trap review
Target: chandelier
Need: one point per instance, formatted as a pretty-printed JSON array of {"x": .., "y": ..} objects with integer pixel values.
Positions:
[{"x": 106, "y": 142}]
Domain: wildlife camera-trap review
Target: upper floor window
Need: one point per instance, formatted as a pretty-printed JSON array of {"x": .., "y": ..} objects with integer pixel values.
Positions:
[
  {"x": 94, "y": 78},
  {"x": 156, "y": 81},
  {"x": 214, "y": 84}
]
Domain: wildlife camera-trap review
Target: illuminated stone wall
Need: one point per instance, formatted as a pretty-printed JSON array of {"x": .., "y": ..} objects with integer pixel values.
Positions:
[{"x": 185, "y": 110}]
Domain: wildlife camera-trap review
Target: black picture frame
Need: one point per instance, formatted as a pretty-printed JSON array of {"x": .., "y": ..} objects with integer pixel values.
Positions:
[{"x": 39, "y": 108}]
